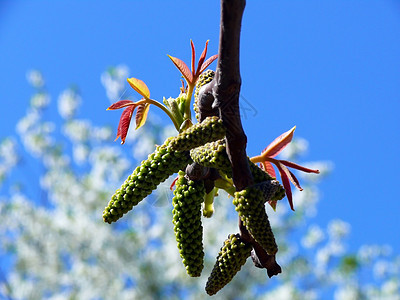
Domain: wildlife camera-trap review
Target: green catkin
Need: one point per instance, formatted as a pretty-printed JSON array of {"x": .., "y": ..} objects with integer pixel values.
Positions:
[
  {"x": 249, "y": 204},
  {"x": 214, "y": 155},
  {"x": 187, "y": 222},
  {"x": 204, "y": 78},
  {"x": 159, "y": 165},
  {"x": 211, "y": 129},
  {"x": 231, "y": 258}
]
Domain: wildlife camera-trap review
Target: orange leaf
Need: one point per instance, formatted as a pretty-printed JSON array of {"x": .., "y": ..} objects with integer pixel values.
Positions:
[
  {"x": 141, "y": 115},
  {"x": 140, "y": 87},
  {"x": 120, "y": 104},
  {"x": 279, "y": 144},
  {"x": 183, "y": 68},
  {"x": 124, "y": 123}
]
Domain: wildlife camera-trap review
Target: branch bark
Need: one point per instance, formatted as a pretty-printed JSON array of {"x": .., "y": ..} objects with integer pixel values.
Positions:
[{"x": 221, "y": 97}]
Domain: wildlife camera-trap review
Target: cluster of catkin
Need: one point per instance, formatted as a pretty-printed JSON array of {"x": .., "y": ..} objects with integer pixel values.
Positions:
[{"x": 204, "y": 144}]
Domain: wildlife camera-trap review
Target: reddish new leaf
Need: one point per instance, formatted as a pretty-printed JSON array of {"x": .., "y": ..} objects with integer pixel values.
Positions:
[
  {"x": 173, "y": 183},
  {"x": 201, "y": 59},
  {"x": 267, "y": 167},
  {"x": 121, "y": 104},
  {"x": 286, "y": 184},
  {"x": 207, "y": 63},
  {"x": 139, "y": 86},
  {"x": 294, "y": 180},
  {"x": 279, "y": 143},
  {"x": 298, "y": 167},
  {"x": 183, "y": 68},
  {"x": 141, "y": 115},
  {"x": 193, "y": 56},
  {"x": 124, "y": 123}
]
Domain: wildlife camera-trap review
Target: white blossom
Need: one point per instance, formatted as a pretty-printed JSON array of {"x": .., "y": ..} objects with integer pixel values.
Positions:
[
  {"x": 68, "y": 102},
  {"x": 114, "y": 81},
  {"x": 313, "y": 237},
  {"x": 35, "y": 78}
]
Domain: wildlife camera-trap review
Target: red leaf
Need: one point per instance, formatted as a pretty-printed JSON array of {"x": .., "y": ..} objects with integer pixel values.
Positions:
[
  {"x": 183, "y": 68},
  {"x": 279, "y": 143},
  {"x": 298, "y": 167},
  {"x": 141, "y": 115},
  {"x": 139, "y": 86},
  {"x": 207, "y": 63},
  {"x": 286, "y": 185},
  {"x": 294, "y": 180},
  {"x": 173, "y": 183},
  {"x": 121, "y": 104},
  {"x": 267, "y": 167},
  {"x": 124, "y": 123},
  {"x": 201, "y": 59},
  {"x": 193, "y": 55}
]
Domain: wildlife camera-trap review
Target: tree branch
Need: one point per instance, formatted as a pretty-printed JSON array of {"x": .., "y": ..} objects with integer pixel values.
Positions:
[{"x": 221, "y": 96}]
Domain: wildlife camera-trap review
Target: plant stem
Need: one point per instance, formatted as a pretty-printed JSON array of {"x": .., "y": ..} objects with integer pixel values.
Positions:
[{"x": 164, "y": 108}]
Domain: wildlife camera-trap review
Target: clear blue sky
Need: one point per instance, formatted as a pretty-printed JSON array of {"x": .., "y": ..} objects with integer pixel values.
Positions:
[{"x": 330, "y": 67}]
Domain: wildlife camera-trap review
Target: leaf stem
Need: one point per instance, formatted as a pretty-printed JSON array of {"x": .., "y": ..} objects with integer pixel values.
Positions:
[{"x": 163, "y": 107}]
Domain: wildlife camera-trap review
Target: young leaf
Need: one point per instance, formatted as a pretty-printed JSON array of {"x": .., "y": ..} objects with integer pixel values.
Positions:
[
  {"x": 139, "y": 86},
  {"x": 298, "y": 167},
  {"x": 141, "y": 115},
  {"x": 286, "y": 184},
  {"x": 202, "y": 58},
  {"x": 183, "y": 68},
  {"x": 207, "y": 63},
  {"x": 279, "y": 143},
  {"x": 295, "y": 181},
  {"x": 120, "y": 104},
  {"x": 193, "y": 56},
  {"x": 124, "y": 123},
  {"x": 267, "y": 167}
]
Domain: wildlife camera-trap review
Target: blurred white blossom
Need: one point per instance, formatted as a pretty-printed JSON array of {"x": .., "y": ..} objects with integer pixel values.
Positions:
[
  {"x": 35, "y": 78},
  {"x": 313, "y": 237},
  {"x": 40, "y": 100},
  {"x": 114, "y": 81},
  {"x": 338, "y": 229},
  {"x": 68, "y": 102}
]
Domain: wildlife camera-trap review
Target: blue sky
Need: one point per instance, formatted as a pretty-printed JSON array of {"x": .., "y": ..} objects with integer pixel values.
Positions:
[{"x": 332, "y": 68}]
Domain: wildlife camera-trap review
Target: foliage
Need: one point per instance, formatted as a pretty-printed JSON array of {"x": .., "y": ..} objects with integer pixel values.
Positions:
[{"x": 56, "y": 177}]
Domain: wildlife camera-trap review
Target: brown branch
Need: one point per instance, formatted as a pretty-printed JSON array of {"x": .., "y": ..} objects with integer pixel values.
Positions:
[{"x": 221, "y": 96}]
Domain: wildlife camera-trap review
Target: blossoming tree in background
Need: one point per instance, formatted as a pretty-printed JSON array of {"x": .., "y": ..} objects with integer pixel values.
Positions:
[{"x": 56, "y": 176}]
